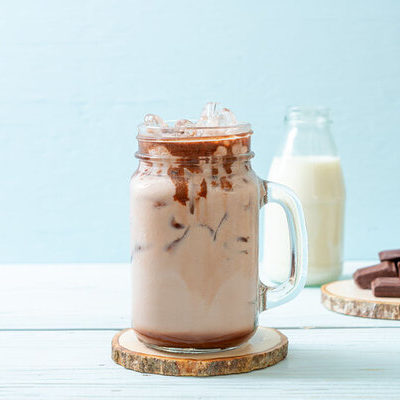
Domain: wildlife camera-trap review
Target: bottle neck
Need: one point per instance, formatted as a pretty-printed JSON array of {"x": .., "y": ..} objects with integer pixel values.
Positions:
[{"x": 308, "y": 133}]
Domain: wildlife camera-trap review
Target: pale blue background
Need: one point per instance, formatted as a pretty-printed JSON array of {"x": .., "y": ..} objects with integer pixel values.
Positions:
[{"x": 77, "y": 76}]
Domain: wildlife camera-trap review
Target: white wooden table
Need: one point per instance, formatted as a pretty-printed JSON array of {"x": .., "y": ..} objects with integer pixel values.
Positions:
[{"x": 57, "y": 321}]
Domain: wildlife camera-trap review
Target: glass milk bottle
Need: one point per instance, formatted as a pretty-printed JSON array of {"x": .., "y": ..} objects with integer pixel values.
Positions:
[{"x": 309, "y": 164}]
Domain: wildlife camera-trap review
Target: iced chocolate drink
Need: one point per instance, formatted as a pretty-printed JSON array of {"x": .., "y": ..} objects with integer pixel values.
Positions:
[{"x": 194, "y": 233}]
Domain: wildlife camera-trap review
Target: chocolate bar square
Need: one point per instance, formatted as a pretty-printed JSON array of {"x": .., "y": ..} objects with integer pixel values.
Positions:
[
  {"x": 364, "y": 276},
  {"x": 389, "y": 255},
  {"x": 386, "y": 287}
]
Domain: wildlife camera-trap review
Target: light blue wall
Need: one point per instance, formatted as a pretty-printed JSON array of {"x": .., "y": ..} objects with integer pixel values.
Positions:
[{"x": 77, "y": 76}]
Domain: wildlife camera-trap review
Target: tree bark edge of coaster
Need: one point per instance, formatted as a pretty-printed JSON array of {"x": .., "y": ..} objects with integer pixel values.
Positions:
[
  {"x": 345, "y": 297},
  {"x": 267, "y": 347}
]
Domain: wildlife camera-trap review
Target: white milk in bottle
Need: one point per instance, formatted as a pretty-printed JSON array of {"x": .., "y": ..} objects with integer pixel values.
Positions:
[{"x": 310, "y": 166}]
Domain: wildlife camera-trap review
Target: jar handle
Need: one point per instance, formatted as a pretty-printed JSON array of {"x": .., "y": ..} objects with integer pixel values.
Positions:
[{"x": 268, "y": 295}]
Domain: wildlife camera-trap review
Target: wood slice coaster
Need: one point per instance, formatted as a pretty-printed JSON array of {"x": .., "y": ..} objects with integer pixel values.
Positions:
[
  {"x": 267, "y": 347},
  {"x": 346, "y": 297}
]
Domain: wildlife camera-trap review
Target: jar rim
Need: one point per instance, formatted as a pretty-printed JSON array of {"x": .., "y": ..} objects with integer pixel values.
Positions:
[
  {"x": 193, "y": 133},
  {"x": 195, "y": 147}
]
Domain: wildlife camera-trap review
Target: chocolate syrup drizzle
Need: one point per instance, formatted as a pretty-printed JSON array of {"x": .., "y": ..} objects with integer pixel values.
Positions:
[{"x": 187, "y": 156}]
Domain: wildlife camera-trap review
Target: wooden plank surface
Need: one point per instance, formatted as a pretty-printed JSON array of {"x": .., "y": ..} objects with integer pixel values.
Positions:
[
  {"x": 97, "y": 296},
  {"x": 57, "y": 321},
  {"x": 321, "y": 364}
]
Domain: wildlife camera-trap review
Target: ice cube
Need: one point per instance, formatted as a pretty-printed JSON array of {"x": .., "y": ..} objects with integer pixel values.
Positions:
[
  {"x": 182, "y": 127},
  {"x": 209, "y": 112},
  {"x": 153, "y": 123},
  {"x": 153, "y": 120},
  {"x": 227, "y": 117},
  {"x": 213, "y": 115},
  {"x": 182, "y": 124}
]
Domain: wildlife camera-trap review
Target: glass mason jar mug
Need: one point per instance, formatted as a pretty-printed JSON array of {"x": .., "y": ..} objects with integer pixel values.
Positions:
[{"x": 194, "y": 213}]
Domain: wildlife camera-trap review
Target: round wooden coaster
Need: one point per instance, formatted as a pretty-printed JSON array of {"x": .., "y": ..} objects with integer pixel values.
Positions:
[
  {"x": 267, "y": 347},
  {"x": 346, "y": 297}
]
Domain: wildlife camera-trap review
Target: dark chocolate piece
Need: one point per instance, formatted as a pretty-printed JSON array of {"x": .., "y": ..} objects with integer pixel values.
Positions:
[
  {"x": 176, "y": 224},
  {"x": 211, "y": 230},
  {"x": 364, "y": 276},
  {"x": 226, "y": 184},
  {"x": 175, "y": 242},
  {"x": 389, "y": 255},
  {"x": 219, "y": 226},
  {"x": 203, "y": 189},
  {"x": 386, "y": 287},
  {"x": 159, "y": 204},
  {"x": 191, "y": 208}
]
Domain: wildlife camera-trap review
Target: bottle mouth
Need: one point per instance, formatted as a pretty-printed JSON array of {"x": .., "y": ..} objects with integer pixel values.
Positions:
[
  {"x": 308, "y": 114},
  {"x": 170, "y": 132}
]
